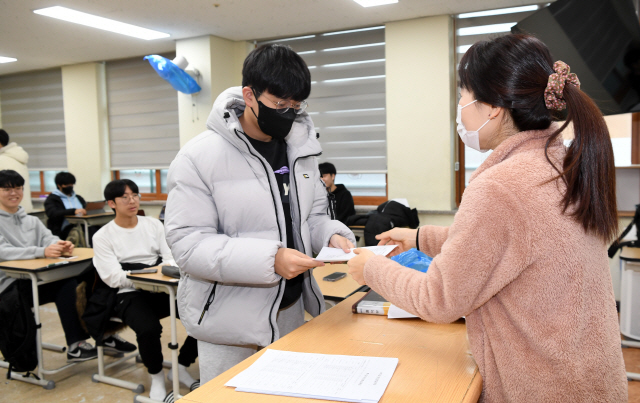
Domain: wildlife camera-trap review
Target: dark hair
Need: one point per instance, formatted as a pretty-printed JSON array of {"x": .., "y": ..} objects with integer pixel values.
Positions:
[
  {"x": 4, "y": 138},
  {"x": 65, "y": 178},
  {"x": 118, "y": 187},
  {"x": 512, "y": 72},
  {"x": 279, "y": 70},
  {"x": 10, "y": 179},
  {"x": 327, "y": 168}
]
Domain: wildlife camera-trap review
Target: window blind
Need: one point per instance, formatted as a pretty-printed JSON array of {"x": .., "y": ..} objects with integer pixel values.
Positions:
[
  {"x": 143, "y": 116},
  {"x": 33, "y": 115},
  {"x": 347, "y": 101}
]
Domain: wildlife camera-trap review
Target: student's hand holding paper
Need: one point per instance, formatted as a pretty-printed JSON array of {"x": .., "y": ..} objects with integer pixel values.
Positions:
[
  {"x": 405, "y": 238},
  {"x": 338, "y": 241},
  {"x": 290, "y": 262},
  {"x": 356, "y": 265}
]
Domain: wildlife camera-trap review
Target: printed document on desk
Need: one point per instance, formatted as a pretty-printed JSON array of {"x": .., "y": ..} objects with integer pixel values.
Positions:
[
  {"x": 329, "y": 255},
  {"x": 344, "y": 378}
]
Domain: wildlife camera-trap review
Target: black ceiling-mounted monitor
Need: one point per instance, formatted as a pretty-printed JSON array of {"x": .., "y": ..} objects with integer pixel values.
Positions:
[{"x": 600, "y": 41}]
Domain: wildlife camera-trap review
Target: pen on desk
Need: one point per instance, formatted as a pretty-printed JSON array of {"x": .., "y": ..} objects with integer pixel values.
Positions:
[{"x": 57, "y": 264}]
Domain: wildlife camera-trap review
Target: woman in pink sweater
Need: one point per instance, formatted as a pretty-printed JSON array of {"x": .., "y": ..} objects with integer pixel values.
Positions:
[{"x": 526, "y": 256}]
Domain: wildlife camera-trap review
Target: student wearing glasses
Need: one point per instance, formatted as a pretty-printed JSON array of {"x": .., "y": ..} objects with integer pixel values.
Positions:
[
  {"x": 24, "y": 237},
  {"x": 135, "y": 242},
  {"x": 247, "y": 210}
]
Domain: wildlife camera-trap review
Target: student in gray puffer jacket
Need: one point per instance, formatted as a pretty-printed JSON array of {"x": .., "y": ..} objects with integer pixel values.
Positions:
[{"x": 247, "y": 210}]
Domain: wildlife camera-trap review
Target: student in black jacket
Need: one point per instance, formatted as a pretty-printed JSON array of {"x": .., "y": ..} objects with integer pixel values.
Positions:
[
  {"x": 344, "y": 201},
  {"x": 63, "y": 202}
]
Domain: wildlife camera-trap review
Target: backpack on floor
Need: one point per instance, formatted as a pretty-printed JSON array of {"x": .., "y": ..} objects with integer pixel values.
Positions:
[{"x": 18, "y": 330}]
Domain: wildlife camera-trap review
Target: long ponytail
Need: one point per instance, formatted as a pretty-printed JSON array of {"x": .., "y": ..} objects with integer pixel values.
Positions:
[
  {"x": 513, "y": 72},
  {"x": 588, "y": 169}
]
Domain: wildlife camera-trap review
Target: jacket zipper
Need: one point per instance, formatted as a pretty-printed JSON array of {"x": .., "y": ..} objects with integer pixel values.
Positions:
[
  {"x": 275, "y": 207},
  {"x": 295, "y": 184},
  {"x": 212, "y": 296}
]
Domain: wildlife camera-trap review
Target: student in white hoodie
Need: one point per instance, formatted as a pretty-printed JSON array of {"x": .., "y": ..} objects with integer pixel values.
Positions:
[{"x": 14, "y": 157}]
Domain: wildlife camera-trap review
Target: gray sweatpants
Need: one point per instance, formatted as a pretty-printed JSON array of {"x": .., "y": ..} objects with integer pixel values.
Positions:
[{"x": 214, "y": 359}]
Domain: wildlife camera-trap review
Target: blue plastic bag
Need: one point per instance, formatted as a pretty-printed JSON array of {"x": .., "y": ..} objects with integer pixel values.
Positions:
[
  {"x": 178, "y": 78},
  {"x": 413, "y": 259}
]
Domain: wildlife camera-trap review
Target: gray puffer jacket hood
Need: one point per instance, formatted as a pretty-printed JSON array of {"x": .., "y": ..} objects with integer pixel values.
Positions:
[{"x": 225, "y": 222}]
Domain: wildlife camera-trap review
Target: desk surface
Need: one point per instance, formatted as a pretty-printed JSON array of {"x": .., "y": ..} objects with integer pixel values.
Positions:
[
  {"x": 82, "y": 217},
  {"x": 155, "y": 278},
  {"x": 435, "y": 363},
  {"x": 38, "y": 265},
  {"x": 335, "y": 289},
  {"x": 630, "y": 254}
]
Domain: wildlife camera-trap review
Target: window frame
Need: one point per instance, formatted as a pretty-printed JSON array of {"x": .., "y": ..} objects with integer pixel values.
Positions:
[{"x": 157, "y": 196}]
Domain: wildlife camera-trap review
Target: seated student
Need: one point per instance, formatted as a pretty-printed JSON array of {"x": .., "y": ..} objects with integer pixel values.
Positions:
[
  {"x": 344, "y": 201},
  {"x": 63, "y": 202},
  {"x": 128, "y": 240},
  {"x": 25, "y": 237}
]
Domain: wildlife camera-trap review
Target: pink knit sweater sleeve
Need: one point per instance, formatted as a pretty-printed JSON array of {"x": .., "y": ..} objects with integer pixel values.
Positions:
[
  {"x": 431, "y": 238},
  {"x": 485, "y": 249}
]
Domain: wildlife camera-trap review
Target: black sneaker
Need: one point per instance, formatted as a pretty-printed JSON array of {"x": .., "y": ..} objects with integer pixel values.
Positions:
[
  {"x": 116, "y": 344},
  {"x": 83, "y": 352}
]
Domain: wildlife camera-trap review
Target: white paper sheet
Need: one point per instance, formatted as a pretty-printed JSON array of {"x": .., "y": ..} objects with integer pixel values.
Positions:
[
  {"x": 68, "y": 257},
  {"x": 398, "y": 313},
  {"x": 337, "y": 255},
  {"x": 317, "y": 376}
]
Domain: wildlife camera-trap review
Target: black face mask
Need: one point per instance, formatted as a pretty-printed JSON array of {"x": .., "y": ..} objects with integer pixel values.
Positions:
[
  {"x": 274, "y": 124},
  {"x": 67, "y": 190}
]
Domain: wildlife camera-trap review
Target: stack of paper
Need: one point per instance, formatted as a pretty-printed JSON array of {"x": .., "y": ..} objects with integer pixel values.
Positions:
[
  {"x": 337, "y": 255},
  {"x": 317, "y": 376}
]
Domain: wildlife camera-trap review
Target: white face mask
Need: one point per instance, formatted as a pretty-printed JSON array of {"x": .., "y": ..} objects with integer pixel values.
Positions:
[{"x": 469, "y": 138}]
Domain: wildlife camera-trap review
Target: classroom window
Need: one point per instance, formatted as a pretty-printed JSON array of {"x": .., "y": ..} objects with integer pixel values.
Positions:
[
  {"x": 149, "y": 181},
  {"x": 163, "y": 180},
  {"x": 42, "y": 183},
  {"x": 348, "y": 105}
]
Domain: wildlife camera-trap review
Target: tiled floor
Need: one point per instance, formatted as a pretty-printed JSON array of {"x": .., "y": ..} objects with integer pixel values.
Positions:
[{"x": 75, "y": 385}]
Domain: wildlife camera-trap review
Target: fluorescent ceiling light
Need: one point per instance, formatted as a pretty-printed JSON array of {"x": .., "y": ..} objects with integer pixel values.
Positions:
[
  {"x": 90, "y": 20},
  {"x": 486, "y": 29},
  {"x": 352, "y": 63},
  {"x": 499, "y": 11},
  {"x": 7, "y": 59},
  {"x": 292, "y": 39},
  {"x": 355, "y": 47},
  {"x": 371, "y": 3},
  {"x": 353, "y": 30},
  {"x": 308, "y": 52},
  {"x": 463, "y": 49},
  {"x": 352, "y": 79}
]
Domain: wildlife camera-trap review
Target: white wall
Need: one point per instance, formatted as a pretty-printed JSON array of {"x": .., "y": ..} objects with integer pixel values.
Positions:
[
  {"x": 420, "y": 115},
  {"x": 86, "y": 127}
]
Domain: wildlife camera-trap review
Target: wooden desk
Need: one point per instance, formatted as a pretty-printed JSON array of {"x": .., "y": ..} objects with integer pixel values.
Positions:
[
  {"x": 92, "y": 219},
  {"x": 158, "y": 282},
  {"x": 37, "y": 271},
  {"x": 335, "y": 290},
  {"x": 435, "y": 363}
]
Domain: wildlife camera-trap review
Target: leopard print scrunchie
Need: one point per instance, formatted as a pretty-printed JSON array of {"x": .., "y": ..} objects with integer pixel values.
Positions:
[{"x": 553, "y": 98}]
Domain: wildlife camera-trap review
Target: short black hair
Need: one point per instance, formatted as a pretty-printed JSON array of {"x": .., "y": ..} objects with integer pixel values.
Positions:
[
  {"x": 118, "y": 187},
  {"x": 10, "y": 179},
  {"x": 327, "y": 168},
  {"x": 279, "y": 70},
  {"x": 4, "y": 138},
  {"x": 65, "y": 178}
]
